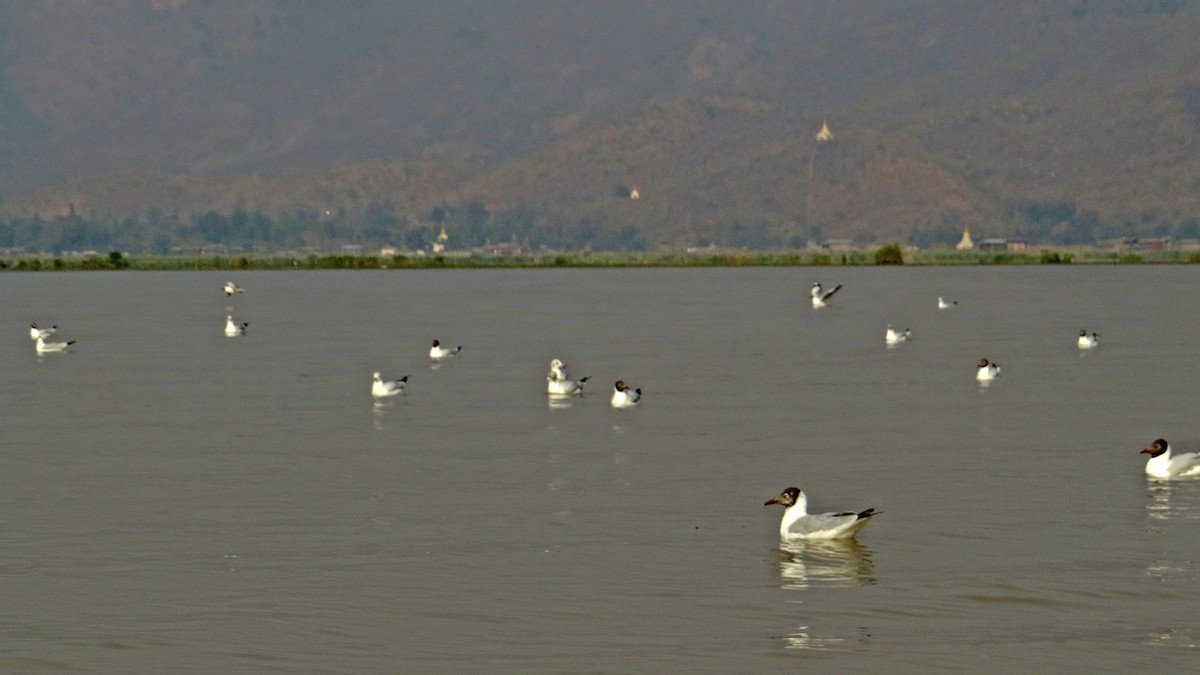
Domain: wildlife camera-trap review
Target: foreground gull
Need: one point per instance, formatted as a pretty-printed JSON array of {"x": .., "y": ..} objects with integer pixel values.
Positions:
[
  {"x": 232, "y": 288},
  {"x": 819, "y": 297},
  {"x": 895, "y": 337},
  {"x": 623, "y": 396},
  {"x": 1163, "y": 465},
  {"x": 1087, "y": 341},
  {"x": 44, "y": 347},
  {"x": 381, "y": 388},
  {"x": 558, "y": 384},
  {"x": 233, "y": 329},
  {"x": 798, "y": 523},
  {"x": 437, "y": 351},
  {"x": 987, "y": 371},
  {"x": 35, "y": 332}
]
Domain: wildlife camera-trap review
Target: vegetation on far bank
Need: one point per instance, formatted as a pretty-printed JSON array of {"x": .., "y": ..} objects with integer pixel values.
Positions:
[{"x": 889, "y": 254}]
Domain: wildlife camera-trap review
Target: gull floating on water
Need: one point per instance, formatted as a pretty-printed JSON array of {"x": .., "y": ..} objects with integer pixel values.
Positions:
[
  {"x": 44, "y": 347},
  {"x": 895, "y": 337},
  {"x": 942, "y": 304},
  {"x": 987, "y": 371},
  {"x": 233, "y": 329},
  {"x": 1087, "y": 341},
  {"x": 798, "y": 523},
  {"x": 232, "y": 288},
  {"x": 558, "y": 384},
  {"x": 381, "y": 388},
  {"x": 437, "y": 351},
  {"x": 819, "y": 297},
  {"x": 1163, "y": 465},
  {"x": 623, "y": 396},
  {"x": 35, "y": 332}
]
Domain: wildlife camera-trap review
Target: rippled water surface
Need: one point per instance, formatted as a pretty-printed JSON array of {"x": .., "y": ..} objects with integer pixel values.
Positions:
[{"x": 174, "y": 500}]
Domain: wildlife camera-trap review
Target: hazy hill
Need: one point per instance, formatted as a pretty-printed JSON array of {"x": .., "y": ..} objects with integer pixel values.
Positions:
[{"x": 945, "y": 113}]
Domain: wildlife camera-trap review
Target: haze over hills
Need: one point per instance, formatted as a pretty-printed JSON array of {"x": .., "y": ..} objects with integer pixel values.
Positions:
[{"x": 534, "y": 120}]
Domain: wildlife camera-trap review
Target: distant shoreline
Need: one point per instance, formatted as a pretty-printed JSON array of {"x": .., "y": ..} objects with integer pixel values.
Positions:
[{"x": 926, "y": 258}]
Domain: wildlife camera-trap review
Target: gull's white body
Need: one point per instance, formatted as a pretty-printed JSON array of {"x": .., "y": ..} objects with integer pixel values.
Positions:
[
  {"x": 1166, "y": 466},
  {"x": 798, "y": 523},
  {"x": 232, "y": 288},
  {"x": 895, "y": 337},
  {"x": 820, "y": 296},
  {"x": 942, "y": 304},
  {"x": 1086, "y": 341},
  {"x": 44, "y": 347},
  {"x": 437, "y": 351},
  {"x": 987, "y": 371},
  {"x": 624, "y": 396},
  {"x": 35, "y": 332},
  {"x": 558, "y": 384},
  {"x": 233, "y": 329},
  {"x": 381, "y": 388}
]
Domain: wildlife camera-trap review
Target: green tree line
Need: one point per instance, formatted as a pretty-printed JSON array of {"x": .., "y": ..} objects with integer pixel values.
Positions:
[
  {"x": 472, "y": 225},
  {"x": 379, "y": 224}
]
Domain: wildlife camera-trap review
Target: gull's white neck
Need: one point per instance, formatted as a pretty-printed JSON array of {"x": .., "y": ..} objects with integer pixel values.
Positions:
[
  {"x": 1160, "y": 467},
  {"x": 793, "y": 513}
]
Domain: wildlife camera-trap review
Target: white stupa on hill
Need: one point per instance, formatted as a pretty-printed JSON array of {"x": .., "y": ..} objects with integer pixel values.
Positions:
[{"x": 966, "y": 244}]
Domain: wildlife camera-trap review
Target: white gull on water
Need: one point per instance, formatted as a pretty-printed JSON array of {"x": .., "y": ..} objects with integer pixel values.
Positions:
[{"x": 798, "y": 523}]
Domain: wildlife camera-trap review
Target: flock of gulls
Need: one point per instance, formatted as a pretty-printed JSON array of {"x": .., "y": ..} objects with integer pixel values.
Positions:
[{"x": 797, "y": 523}]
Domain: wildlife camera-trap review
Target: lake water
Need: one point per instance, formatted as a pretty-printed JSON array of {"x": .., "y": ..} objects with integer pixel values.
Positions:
[{"x": 177, "y": 501}]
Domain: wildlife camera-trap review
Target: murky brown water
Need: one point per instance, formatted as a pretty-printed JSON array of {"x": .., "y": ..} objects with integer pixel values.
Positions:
[{"x": 175, "y": 500}]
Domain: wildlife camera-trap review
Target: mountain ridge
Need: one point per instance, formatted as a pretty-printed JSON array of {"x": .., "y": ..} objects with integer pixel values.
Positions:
[{"x": 944, "y": 115}]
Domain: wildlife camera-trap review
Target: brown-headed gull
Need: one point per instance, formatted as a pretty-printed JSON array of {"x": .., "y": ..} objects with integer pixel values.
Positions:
[
  {"x": 35, "y": 332},
  {"x": 819, "y": 296},
  {"x": 381, "y": 388},
  {"x": 987, "y": 371},
  {"x": 1163, "y": 465},
  {"x": 44, "y": 347},
  {"x": 798, "y": 523},
  {"x": 625, "y": 397},
  {"x": 235, "y": 329},
  {"x": 558, "y": 384},
  {"x": 437, "y": 351},
  {"x": 894, "y": 337}
]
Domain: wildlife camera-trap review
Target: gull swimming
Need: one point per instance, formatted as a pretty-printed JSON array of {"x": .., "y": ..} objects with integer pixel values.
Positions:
[
  {"x": 44, "y": 347},
  {"x": 1165, "y": 466},
  {"x": 623, "y": 396},
  {"x": 233, "y": 289},
  {"x": 437, "y": 351},
  {"x": 942, "y": 304},
  {"x": 819, "y": 297},
  {"x": 894, "y": 337},
  {"x": 232, "y": 329},
  {"x": 987, "y": 371},
  {"x": 1087, "y": 341},
  {"x": 798, "y": 523},
  {"x": 558, "y": 384},
  {"x": 381, "y": 388},
  {"x": 35, "y": 332}
]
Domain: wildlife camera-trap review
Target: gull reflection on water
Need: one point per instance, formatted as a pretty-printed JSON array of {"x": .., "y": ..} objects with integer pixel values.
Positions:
[
  {"x": 1172, "y": 501},
  {"x": 829, "y": 564},
  {"x": 561, "y": 402},
  {"x": 804, "y": 639},
  {"x": 840, "y": 563},
  {"x": 1168, "y": 501},
  {"x": 379, "y": 412}
]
